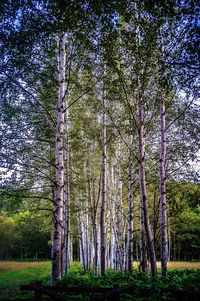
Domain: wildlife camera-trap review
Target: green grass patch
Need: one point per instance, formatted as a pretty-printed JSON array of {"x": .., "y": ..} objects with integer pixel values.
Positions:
[
  {"x": 17, "y": 273},
  {"x": 181, "y": 283}
]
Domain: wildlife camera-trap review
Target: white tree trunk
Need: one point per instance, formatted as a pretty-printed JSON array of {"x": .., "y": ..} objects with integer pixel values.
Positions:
[
  {"x": 81, "y": 231},
  {"x": 112, "y": 207},
  {"x": 103, "y": 192},
  {"x": 66, "y": 251},
  {"x": 144, "y": 202},
  {"x": 163, "y": 200},
  {"x": 143, "y": 246},
  {"x": 130, "y": 220},
  {"x": 120, "y": 223},
  {"x": 59, "y": 185},
  {"x": 86, "y": 232}
]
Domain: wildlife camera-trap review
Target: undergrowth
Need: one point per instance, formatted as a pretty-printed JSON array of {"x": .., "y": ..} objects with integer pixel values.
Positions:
[
  {"x": 182, "y": 284},
  {"x": 178, "y": 285}
]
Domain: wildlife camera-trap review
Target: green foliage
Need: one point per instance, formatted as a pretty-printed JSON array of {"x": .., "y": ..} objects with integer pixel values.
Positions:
[
  {"x": 24, "y": 235},
  {"x": 7, "y": 229},
  {"x": 178, "y": 284},
  {"x": 183, "y": 209}
]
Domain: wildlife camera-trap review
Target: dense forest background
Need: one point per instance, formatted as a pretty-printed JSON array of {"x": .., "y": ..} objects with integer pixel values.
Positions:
[
  {"x": 26, "y": 229},
  {"x": 99, "y": 131}
]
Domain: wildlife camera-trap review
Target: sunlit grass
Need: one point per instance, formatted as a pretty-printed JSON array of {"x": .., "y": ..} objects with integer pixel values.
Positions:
[
  {"x": 177, "y": 265},
  {"x": 172, "y": 265},
  {"x": 14, "y": 273}
]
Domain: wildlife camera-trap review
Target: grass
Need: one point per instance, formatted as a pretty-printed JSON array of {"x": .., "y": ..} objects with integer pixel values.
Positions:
[
  {"x": 182, "y": 265},
  {"x": 177, "y": 265},
  {"x": 15, "y": 273}
]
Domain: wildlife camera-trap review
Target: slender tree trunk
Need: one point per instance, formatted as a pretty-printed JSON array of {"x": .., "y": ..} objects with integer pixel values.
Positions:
[
  {"x": 95, "y": 242},
  {"x": 82, "y": 246},
  {"x": 59, "y": 183},
  {"x": 108, "y": 235},
  {"x": 112, "y": 220},
  {"x": 113, "y": 240},
  {"x": 103, "y": 192},
  {"x": 120, "y": 220},
  {"x": 81, "y": 230},
  {"x": 136, "y": 247},
  {"x": 67, "y": 191},
  {"x": 66, "y": 244},
  {"x": 94, "y": 204},
  {"x": 93, "y": 201},
  {"x": 163, "y": 200},
  {"x": 169, "y": 239},
  {"x": 130, "y": 220},
  {"x": 86, "y": 232},
  {"x": 95, "y": 227},
  {"x": 144, "y": 201},
  {"x": 143, "y": 246}
]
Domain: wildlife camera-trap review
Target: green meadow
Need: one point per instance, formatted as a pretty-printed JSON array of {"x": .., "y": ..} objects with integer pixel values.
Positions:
[
  {"x": 183, "y": 280},
  {"x": 13, "y": 273}
]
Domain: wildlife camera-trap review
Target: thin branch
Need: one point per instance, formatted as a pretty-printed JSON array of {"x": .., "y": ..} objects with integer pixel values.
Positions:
[
  {"x": 182, "y": 113},
  {"x": 50, "y": 119},
  {"x": 80, "y": 96},
  {"x": 3, "y": 192},
  {"x": 172, "y": 172}
]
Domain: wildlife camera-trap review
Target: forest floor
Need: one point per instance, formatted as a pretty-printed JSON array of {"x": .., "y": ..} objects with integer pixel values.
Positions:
[{"x": 15, "y": 273}]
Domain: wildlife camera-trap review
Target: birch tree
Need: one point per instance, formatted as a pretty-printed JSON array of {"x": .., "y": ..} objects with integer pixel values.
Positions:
[
  {"x": 162, "y": 170},
  {"x": 59, "y": 186},
  {"x": 130, "y": 216},
  {"x": 103, "y": 188}
]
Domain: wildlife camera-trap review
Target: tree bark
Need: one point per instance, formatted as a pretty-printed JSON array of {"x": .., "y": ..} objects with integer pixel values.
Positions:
[
  {"x": 112, "y": 209},
  {"x": 144, "y": 200},
  {"x": 130, "y": 219},
  {"x": 120, "y": 223},
  {"x": 103, "y": 192},
  {"x": 163, "y": 200},
  {"x": 143, "y": 246},
  {"x": 59, "y": 183},
  {"x": 66, "y": 244}
]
